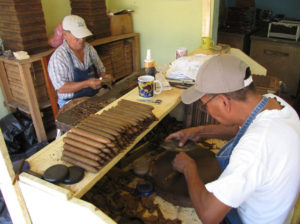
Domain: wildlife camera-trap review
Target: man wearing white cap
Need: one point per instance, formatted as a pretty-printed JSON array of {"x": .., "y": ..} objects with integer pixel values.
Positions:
[
  {"x": 260, "y": 180},
  {"x": 75, "y": 66}
]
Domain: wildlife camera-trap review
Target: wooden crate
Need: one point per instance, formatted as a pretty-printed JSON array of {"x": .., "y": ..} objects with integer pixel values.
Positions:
[
  {"x": 266, "y": 84},
  {"x": 121, "y": 24},
  {"x": 11, "y": 7},
  {"x": 120, "y": 55},
  {"x": 128, "y": 57},
  {"x": 94, "y": 14},
  {"x": 280, "y": 57},
  {"x": 16, "y": 86},
  {"x": 22, "y": 18},
  {"x": 23, "y": 37},
  {"x": 22, "y": 26},
  {"x": 195, "y": 117},
  {"x": 106, "y": 60}
]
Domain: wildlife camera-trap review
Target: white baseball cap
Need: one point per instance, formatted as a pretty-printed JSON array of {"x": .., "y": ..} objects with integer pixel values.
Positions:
[
  {"x": 222, "y": 73},
  {"x": 76, "y": 25}
]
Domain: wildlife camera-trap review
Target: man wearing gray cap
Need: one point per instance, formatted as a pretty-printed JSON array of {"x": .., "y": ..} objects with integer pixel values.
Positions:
[
  {"x": 75, "y": 67},
  {"x": 260, "y": 180}
]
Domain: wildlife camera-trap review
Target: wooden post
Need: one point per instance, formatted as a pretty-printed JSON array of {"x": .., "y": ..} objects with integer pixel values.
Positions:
[
  {"x": 4, "y": 84},
  {"x": 206, "y": 18},
  {"x": 32, "y": 101},
  {"x": 12, "y": 193},
  {"x": 136, "y": 53}
]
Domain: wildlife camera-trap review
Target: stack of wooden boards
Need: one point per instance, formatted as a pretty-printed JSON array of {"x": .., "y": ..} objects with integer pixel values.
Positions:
[
  {"x": 94, "y": 14},
  {"x": 194, "y": 116},
  {"x": 117, "y": 58},
  {"x": 99, "y": 138},
  {"x": 22, "y": 26}
]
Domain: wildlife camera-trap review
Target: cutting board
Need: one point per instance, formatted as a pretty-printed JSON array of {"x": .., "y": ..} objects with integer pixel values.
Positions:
[{"x": 174, "y": 189}]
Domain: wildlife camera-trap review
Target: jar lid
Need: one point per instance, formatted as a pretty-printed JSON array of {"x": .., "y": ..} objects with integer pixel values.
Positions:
[
  {"x": 76, "y": 174},
  {"x": 56, "y": 173},
  {"x": 144, "y": 187}
]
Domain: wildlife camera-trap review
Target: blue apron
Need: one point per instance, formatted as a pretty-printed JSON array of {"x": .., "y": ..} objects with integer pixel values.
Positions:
[
  {"x": 224, "y": 154},
  {"x": 82, "y": 75}
]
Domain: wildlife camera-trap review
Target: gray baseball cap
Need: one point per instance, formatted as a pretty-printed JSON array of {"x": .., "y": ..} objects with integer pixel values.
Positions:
[{"x": 222, "y": 73}]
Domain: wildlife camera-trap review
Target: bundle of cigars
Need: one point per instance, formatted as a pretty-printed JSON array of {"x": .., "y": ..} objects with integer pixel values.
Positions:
[{"x": 99, "y": 138}]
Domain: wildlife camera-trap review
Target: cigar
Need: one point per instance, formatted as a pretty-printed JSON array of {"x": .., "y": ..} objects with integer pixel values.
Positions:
[
  {"x": 116, "y": 126},
  {"x": 126, "y": 125},
  {"x": 104, "y": 156},
  {"x": 113, "y": 122},
  {"x": 140, "y": 105},
  {"x": 80, "y": 158},
  {"x": 102, "y": 127},
  {"x": 90, "y": 135},
  {"x": 84, "y": 140},
  {"x": 114, "y": 150},
  {"x": 140, "y": 117},
  {"x": 131, "y": 124},
  {"x": 81, "y": 152},
  {"x": 78, "y": 163},
  {"x": 145, "y": 114},
  {"x": 92, "y": 124},
  {"x": 131, "y": 120},
  {"x": 80, "y": 145},
  {"x": 107, "y": 151},
  {"x": 115, "y": 119},
  {"x": 97, "y": 131}
]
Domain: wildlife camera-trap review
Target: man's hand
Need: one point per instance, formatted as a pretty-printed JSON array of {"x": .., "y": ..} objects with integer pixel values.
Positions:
[
  {"x": 94, "y": 83},
  {"x": 202, "y": 132},
  {"x": 108, "y": 76},
  {"x": 185, "y": 134},
  {"x": 182, "y": 163}
]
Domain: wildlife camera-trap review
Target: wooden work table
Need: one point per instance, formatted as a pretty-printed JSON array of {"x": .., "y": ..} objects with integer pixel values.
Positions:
[
  {"x": 61, "y": 203},
  {"x": 51, "y": 154}
]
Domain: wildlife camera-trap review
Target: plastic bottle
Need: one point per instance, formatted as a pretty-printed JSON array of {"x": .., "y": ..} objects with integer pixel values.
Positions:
[{"x": 149, "y": 64}]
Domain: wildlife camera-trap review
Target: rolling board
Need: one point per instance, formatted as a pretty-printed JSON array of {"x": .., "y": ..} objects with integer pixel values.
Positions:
[{"x": 174, "y": 189}]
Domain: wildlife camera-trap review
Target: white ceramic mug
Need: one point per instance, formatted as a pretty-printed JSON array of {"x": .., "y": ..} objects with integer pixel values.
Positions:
[{"x": 147, "y": 86}]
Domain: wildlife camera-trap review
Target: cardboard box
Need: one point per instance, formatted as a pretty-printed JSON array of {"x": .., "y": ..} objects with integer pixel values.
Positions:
[{"x": 121, "y": 24}]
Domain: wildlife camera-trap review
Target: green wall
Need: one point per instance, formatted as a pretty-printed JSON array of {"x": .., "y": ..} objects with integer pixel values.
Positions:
[
  {"x": 164, "y": 25},
  {"x": 54, "y": 12}
]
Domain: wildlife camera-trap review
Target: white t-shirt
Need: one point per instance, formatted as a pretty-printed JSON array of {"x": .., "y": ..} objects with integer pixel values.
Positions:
[{"x": 262, "y": 178}]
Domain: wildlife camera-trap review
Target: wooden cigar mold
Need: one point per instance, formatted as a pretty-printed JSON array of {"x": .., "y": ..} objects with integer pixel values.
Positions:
[{"x": 100, "y": 137}]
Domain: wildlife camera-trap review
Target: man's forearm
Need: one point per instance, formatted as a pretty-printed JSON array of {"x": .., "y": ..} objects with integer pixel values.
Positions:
[
  {"x": 217, "y": 131},
  {"x": 72, "y": 87},
  {"x": 209, "y": 209}
]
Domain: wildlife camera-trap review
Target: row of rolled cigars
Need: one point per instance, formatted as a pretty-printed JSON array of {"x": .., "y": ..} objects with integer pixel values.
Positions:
[{"x": 99, "y": 138}]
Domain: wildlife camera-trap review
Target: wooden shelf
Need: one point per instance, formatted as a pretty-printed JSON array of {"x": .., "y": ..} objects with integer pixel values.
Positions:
[
  {"x": 280, "y": 57},
  {"x": 25, "y": 108}
]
